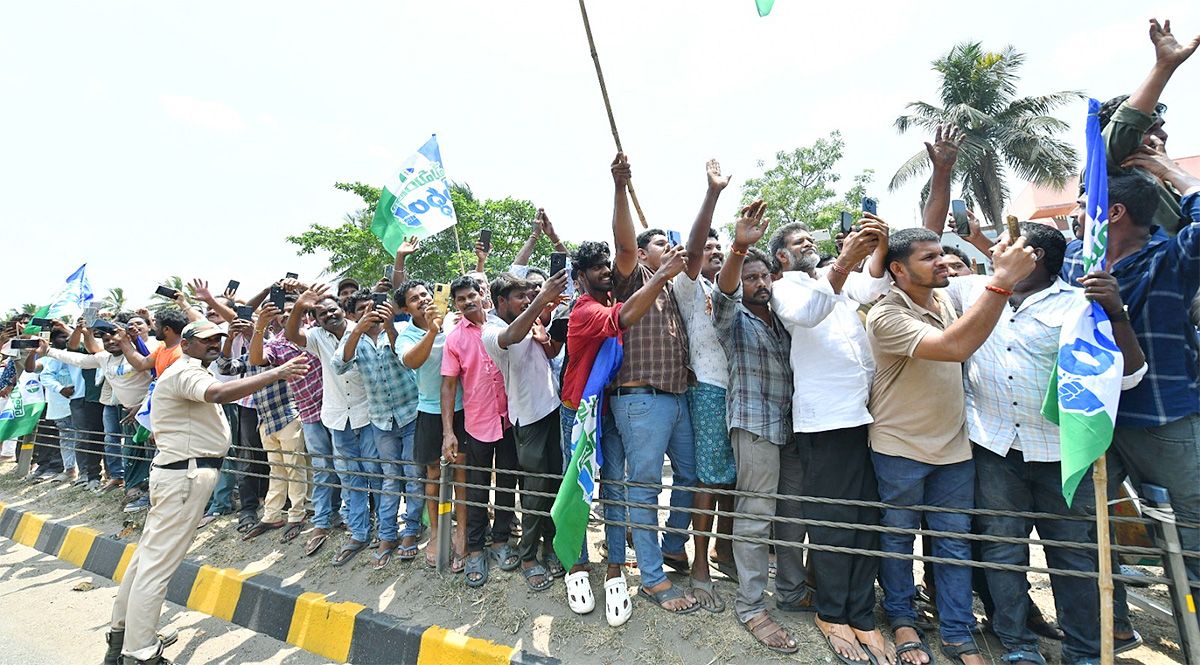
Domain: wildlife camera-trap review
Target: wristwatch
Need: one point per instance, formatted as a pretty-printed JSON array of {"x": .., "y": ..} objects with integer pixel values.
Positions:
[{"x": 1122, "y": 315}]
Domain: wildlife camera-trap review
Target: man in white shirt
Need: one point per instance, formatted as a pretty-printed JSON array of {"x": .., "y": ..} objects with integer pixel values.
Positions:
[
  {"x": 343, "y": 410},
  {"x": 519, "y": 346},
  {"x": 832, "y": 369}
]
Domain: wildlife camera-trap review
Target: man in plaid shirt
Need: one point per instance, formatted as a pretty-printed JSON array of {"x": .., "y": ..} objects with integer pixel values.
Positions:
[
  {"x": 282, "y": 437},
  {"x": 1157, "y": 437},
  {"x": 306, "y": 393}
]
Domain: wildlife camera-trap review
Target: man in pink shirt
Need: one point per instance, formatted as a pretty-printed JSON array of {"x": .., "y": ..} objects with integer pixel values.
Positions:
[{"x": 489, "y": 441}]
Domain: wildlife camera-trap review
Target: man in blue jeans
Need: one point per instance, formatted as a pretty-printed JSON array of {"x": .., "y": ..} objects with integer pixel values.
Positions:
[
  {"x": 919, "y": 437},
  {"x": 392, "y": 402},
  {"x": 649, "y": 400},
  {"x": 343, "y": 411}
]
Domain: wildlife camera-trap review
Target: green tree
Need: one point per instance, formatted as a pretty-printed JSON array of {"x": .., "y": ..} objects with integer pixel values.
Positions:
[
  {"x": 978, "y": 94},
  {"x": 355, "y": 252},
  {"x": 799, "y": 188},
  {"x": 115, "y": 301}
]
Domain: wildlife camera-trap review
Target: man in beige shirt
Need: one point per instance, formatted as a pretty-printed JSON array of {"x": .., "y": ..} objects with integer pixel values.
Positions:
[
  {"x": 192, "y": 436},
  {"x": 919, "y": 442}
]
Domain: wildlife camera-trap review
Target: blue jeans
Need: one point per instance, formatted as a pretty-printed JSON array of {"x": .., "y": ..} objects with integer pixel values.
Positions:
[
  {"x": 905, "y": 482},
  {"x": 113, "y": 440},
  {"x": 653, "y": 425},
  {"x": 360, "y": 443},
  {"x": 396, "y": 445},
  {"x": 612, "y": 452},
  {"x": 1012, "y": 484},
  {"x": 66, "y": 443},
  {"x": 320, "y": 447}
]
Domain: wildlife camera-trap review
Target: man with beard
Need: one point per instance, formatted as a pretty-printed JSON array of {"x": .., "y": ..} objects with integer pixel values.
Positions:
[
  {"x": 828, "y": 452},
  {"x": 759, "y": 408},
  {"x": 715, "y": 467},
  {"x": 595, "y": 319},
  {"x": 520, "y": 348},
  {"x": 192, "y": 436},
  {"x": 343, "y": 409},
  {"x": 919, "y": 445}
]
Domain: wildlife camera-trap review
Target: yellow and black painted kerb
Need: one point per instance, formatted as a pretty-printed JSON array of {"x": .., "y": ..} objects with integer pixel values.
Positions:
[{"x": 345, "y": 632}]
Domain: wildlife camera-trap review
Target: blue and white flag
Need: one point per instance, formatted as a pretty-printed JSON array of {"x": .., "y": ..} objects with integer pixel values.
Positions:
[
  {"x": 1086, "y": 384},
  {"x": 415, "y": 201},
  {"x": 74, "y": 295}
]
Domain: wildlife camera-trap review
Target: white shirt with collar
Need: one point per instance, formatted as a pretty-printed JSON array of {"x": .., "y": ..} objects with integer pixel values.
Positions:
[
  {"x": 831, "y": 357},
  {"x": 529, "y": 380},
  {"x": 344, "y": 398},
  {"x": 693, "y": 297}
]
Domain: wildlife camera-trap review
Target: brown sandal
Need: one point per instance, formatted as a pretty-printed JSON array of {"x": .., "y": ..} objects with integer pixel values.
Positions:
[
  {"x": 763, "y": 626},
  {"x": 315, "y": 542},
  {"x": 292, "y": 532}
]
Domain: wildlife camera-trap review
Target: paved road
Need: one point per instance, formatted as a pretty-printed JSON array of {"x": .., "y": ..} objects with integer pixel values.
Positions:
[{"x": 42, "y": 620}]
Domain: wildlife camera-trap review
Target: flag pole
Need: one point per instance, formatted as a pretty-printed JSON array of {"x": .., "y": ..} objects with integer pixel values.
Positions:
[
  {"x": 612, "y": 123},
  {"x": 1104, "y": 554},
  {"x": 458, "y": 244}
]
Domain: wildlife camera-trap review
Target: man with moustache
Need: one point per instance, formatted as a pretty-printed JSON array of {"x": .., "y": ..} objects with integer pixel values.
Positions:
[{"x": 192, "y": 436}]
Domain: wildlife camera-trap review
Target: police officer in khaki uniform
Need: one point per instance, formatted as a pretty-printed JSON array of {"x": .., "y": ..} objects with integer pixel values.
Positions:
[{"x": 192, "y": 437}]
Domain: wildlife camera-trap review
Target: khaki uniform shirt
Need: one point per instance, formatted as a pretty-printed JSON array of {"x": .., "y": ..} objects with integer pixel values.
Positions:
[
  {"x": 918, "y": 405},
  {"x": 185, "y": 425}
]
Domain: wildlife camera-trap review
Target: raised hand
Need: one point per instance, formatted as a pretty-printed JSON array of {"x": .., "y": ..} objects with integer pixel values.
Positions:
[
  {"x": 751, "y": 226},
  {"x": 861, "y": 243},
  {"x": 946, "y": 142},
  {"x": 1012, "y": 263},
  {"x": 240, "y": 327},
  {"x": 716, "y": 181},
  {"x": 267, "y": 311},
  {"x": 480, "y": 252},
  {"x": 552, "y": 288},
  {"x": 433, "y": 319},
  {"x": 620, "y": 171},
  {"x": 200, "y": 288},
  {"x": 673, "y": 261},
  {"x": 1167, "y": 50},
  {"x": 308, "y": 300},
  {"x": 408, "y": 246},
  {"x": 367, "y": 321}
]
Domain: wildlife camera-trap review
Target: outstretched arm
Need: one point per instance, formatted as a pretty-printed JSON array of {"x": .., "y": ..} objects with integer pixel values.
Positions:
[
  {"x": 943, "y": 152},
  {"x": 1168, "y": 55},
  {"x": 698, "y": 237},
  {"x": 636, "y": 305},
  {"x": 624, "y": 237}
]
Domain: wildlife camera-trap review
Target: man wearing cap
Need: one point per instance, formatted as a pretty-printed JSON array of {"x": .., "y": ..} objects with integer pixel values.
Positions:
[
  {"x": 192, "y": 437},
  {"x": 346, "y": 288}
]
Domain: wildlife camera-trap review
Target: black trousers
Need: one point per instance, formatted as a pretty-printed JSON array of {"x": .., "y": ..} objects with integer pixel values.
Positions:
[
  {"x": 500, "y": 454},
  {"x": 837, "y": 465},
  {"x": 539, "y": 450},
  {"x": 252, "y": 467},
  {"x": 87, "y": 418},
  {"x": 47, "y": 445}
]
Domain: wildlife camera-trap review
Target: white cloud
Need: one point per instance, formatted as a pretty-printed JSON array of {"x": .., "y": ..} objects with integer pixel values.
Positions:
[{"x": 216, "y": 116}]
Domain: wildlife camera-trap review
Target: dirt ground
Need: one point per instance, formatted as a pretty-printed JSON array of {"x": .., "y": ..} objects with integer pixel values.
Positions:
[{"x": 506, "y": 611}]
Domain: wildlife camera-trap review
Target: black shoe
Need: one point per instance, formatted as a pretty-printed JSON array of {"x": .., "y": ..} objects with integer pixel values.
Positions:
[{"x": 116, "y": 642}]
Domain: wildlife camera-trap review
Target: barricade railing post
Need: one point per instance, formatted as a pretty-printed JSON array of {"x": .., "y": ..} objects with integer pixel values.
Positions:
[
  {"x": 1183, "y": 600},
  {"x": 445, "y": 525},
  {"x": 25, "y": 454}
]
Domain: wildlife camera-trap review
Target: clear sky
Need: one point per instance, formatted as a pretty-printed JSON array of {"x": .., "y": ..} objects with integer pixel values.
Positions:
[{"x": 152, "y": 139}]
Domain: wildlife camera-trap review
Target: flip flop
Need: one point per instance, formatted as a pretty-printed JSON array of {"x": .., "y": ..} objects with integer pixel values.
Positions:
[
  {"x": 503, "y": 556},
  {"x": 457, "y": 563},
  {"x": 246, "y": 522},
  {"x": 261, "y": 528},
  {"x": 845, "y": 659},
  {"x": 477, "y": 564},
  {"x": 763, "y": 626},
  {"x": 679, "y": 565},
  {"x": 206, "y": 520},
  {"x": 430, "y": 558},
  {"x": 532, "y": 572},
  {"x": 660, "y": 597},
  {"x": 553, "y": 565},
  {"x": 382, "y": 558},
  {"x": 407, "y": 553},
  {"x": 350, "y": 550},
  {"x": 292, "y": 532},
  {"x": 710, "y": 601},
  {"x": 314, "y": 543}
]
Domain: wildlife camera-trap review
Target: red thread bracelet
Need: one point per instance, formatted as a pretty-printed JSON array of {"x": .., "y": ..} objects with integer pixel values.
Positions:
[
  {"x": 836, "y": 268},
  {"x": 995, "y": 289}
]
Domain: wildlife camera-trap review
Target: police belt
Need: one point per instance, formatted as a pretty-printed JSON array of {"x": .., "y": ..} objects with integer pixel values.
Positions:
[{"x": 201, "y": 462}]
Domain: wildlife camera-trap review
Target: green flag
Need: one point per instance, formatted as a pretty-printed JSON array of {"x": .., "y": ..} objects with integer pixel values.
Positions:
[
  {"x": 20, "y": 413},
  {"x": 415, "y": 201},
  {"x": 764, "y": 6}
]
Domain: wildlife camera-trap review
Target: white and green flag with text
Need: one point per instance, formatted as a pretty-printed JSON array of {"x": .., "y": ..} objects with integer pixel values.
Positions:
[
  {"x": 415, "y": 201},
  {"x": 20, "y": 413}
]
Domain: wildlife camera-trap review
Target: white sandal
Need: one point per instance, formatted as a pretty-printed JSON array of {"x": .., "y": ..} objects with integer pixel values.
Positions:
[
  {"x": 617, "y": 607},
  {"x": 579, "y": 593}
]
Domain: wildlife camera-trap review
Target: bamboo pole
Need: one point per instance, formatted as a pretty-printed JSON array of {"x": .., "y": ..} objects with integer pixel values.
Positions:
[
  {"x": 612, "y": 123},
  {"x": 458, "y": 244},
  {"x": 1100, "y": 481}
]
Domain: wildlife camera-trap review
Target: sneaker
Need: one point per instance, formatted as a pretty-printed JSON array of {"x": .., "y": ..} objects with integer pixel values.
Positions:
[
  {"x": 93, "y": 486},
  {"x": 140, "y": 503}
]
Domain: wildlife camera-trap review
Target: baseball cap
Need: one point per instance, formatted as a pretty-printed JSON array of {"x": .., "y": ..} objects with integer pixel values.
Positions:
[
  {"x": 349, "y": 280},
  {"x": 201, "y": 330}
]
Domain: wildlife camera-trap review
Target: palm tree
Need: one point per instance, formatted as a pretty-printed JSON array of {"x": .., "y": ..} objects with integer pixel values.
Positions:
[
  {"x": 115, "y": 301},
  {"x": 30, "y": 308},
  {"x": 1003, "y": 132}
]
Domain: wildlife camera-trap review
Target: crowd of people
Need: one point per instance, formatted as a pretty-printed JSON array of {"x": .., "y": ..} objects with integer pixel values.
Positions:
[{"x": 889, "y": 372}]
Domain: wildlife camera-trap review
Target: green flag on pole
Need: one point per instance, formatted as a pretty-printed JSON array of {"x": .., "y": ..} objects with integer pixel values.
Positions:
[
  {"x": 20, "y": 413},
  {"x": 415, "y": 201}
]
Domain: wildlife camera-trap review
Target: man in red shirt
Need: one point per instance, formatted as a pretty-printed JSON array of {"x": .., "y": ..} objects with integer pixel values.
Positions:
[{"x": 595, "y": 318}]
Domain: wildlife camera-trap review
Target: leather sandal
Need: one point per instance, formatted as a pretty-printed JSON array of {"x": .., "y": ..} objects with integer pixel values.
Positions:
[{"x": 762, "y": 626}]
